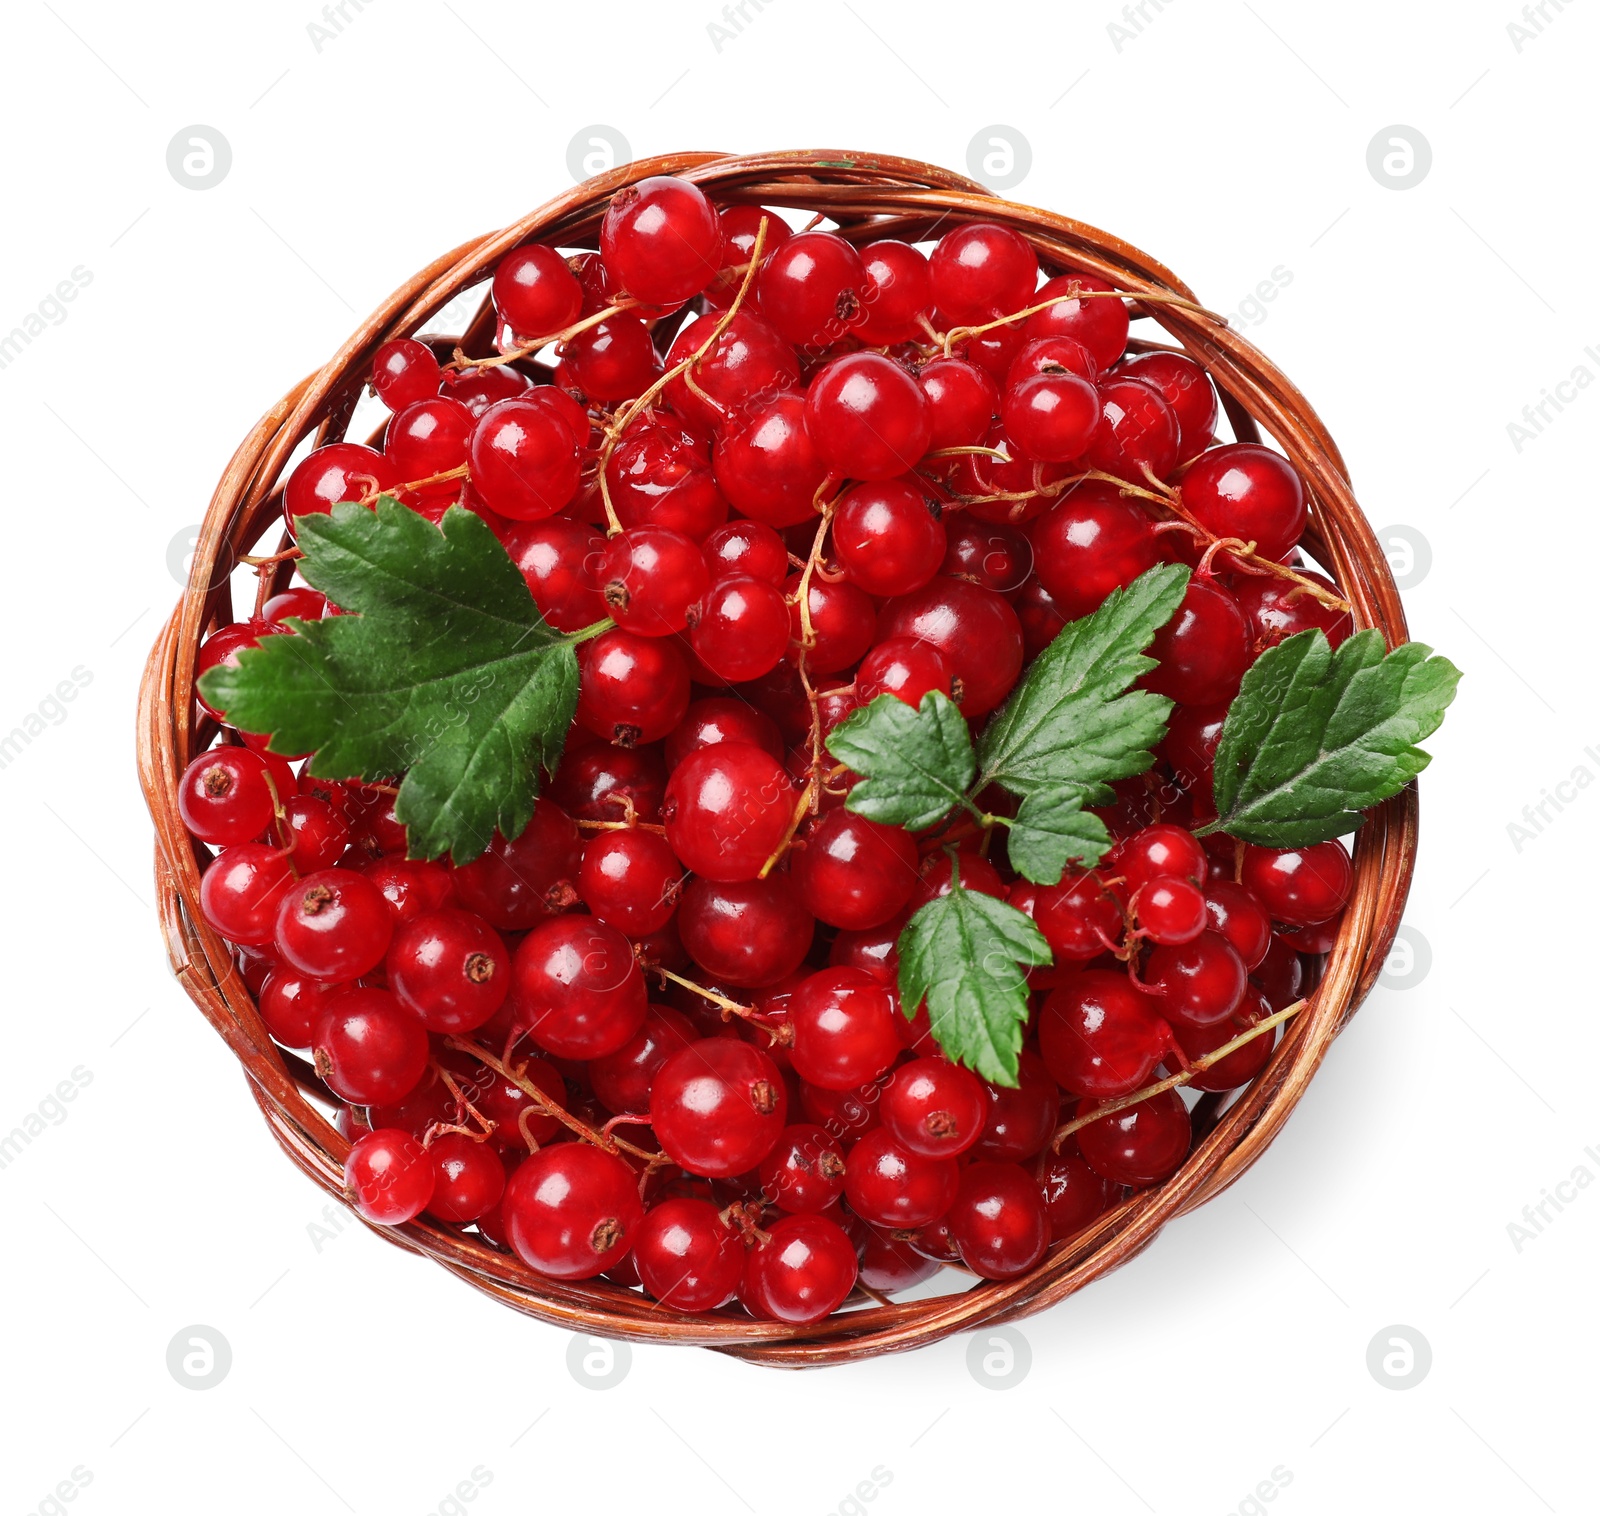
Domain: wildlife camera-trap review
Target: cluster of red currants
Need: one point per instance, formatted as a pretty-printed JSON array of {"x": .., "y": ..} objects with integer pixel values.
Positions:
[{"x": 774, "y": 475}]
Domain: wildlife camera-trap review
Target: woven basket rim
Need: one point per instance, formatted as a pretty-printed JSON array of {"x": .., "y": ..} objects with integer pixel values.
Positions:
[{"x": 868, "y": 196}]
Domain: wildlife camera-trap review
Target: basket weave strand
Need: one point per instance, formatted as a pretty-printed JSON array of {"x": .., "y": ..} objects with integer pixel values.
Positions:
[{"x": 868, "y": 197}]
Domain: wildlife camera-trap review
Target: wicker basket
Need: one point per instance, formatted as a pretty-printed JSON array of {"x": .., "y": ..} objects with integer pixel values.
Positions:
[{"x": 868, "y": 197}]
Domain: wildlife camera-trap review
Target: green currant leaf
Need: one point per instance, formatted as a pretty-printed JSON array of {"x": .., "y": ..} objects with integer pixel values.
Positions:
[
  {"x": 1316, "y": 736},
  {"x": 1051, "y": 830},
  {"x": 966, "y": 953},
  {"x": 1073, "y": 720},
  {"x": 445, "y": 671},
  {"x": 915, "y": 763}
]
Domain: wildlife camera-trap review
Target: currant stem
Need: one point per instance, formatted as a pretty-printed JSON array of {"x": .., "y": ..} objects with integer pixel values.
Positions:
[
  {"x": 1172, "y": 1082},
  {"x": 807, "y": 795},
  {"x": 460, "y": 362},
  {"x": 619, "y": 422},
  {"x": 612, "y": 1144},
  {"x": 460, "y": 471},
  {"x": 732, "y": 1006},
  {"x": 585, "y": 633}
]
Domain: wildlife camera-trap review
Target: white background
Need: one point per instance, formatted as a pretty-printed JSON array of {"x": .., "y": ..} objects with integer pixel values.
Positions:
[{"x": 1229, "y": 139}]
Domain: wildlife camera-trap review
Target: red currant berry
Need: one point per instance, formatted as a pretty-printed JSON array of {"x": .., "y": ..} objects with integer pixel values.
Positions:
[
  {"x": 368, "y": 1048},
  {"x": 867, "y": 417},
  {"x": 1051, "y": 417},
  {"x": 853, "y": 872},
  {"x": 981, "y": 272},
  {"x": 742, "y": 629},
  {"x": 1080, "y": 917},
  {"x": 721, "y": 719},
  {"x": 740, "y": 225},
  {"x": 451, "y": 968},
  {"x": 339, "y": 471},
  {"x": 814, "y": 289},
  {"x": 1100, "y": 323},
  {"x": 1190, "y": 747},
  {"x": 479, "y": 388},
  {"x": 1184, "y": 386},
  {"x": 688, "y": 1257},
  {"x": 661, "y": 240},
  {"x": 717, "y": 1107},
  {"x": 468, "y": 1178},
  {"x": 1100, "y": 1037},
  {"x": 748, "y": 359},
  {"x": 577, "y": 988},
  {"x": 555, "y": 558},
  {"x": 602, "y": 783},
  {"x": 1052, "y": 355},
  {"x": 410, "y": 887},
  {"x": 805, "y": 1171},
  {"x": 631, "y": 689},
  {"x": 388, "y": 1178},
  {"x": 746, "y": 547},
  {"x": 1140, "y": 1145},
  {"x": 899, "y": 290},
  {"x": 938, "y": 876},
  {"x": 241, "y": 889},
  {"x": 963, "y": 401},
  {"x": 1170, "y": 911},
  {"x": 659, "y": 474},
  {"x": 888, "y": 537},
  {"x": 1199, "y": 982},
  {"x": 844, "y": 1028},
  {"x": 1233, "y": 912},
  {"x": 224, "y": 797},
  {"x": 999, "y": 1221},
  {"x": 752, "y": 933},
  {"x": 631, "y": 880},
  {"x": 431, "y": 437},
  {"x": 905, "y": 668},
  {"x": 989, "y": 553},
  {"x": 1040, "y": 616},
  {"x": 891, "y": 1186},
  {"x": 524, "y": 461},
  {"x": 1277, "y": 608},
  {"x": 1089, "y": 543},
  {"x": 319, "y": 834},
  {"x": 766, "y": 466},
  {"x": 520, "y": 1120},
  {"x": 516, "y": 885},
  {"x": 727, "y": 810},
  {"x": 1249, "y": 492},
  {"x": 844, "y": 1114},
  {"x": 888, "y": 1264},
  {"x": 290, "y": 1003},
  {"x": 876, "y": 950},
  {"x": 572, "y": 1211},
  {"x": 297, "y": 600},
  {"x": 651, "y": 579},
  {"x": 803, "y": 1271},
  {"x": 1073, "y": 1193},
  {"x": 1021, "y": 1117},
  {"x": 975, "y": 629},
  {"x": 613, "y": 360},
  {"x": 1299, "y": 886},
  {"x": 1158, "y": 851},
  {"x": 842, "y": 621},
  {"x": 403, "y": 372},
  {"x": 1202, "y": 652},
  {"x": 934, "y": 1108},
  {"x": 535, "y": 293},
  {"x": 1244, "y": 1063},
  {"x": 1281, "y": 976},
  {"x": 1138, "y": 432},
  {"x": 622, "y": 1079}
]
